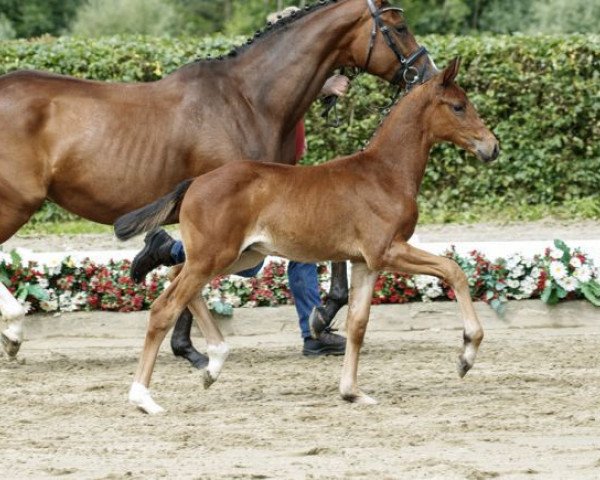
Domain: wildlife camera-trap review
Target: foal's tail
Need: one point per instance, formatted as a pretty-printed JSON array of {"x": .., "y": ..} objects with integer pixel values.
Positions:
[{"x": 163, "y": 211}]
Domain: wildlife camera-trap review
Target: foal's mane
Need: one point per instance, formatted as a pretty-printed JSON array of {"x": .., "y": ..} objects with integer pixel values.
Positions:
[{"x": 272, "y": 28}]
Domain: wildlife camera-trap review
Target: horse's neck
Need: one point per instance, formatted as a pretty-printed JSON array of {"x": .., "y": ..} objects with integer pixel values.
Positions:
[
  {"x": 399, "y": 151},
  {"x": 283, "y": 73}
]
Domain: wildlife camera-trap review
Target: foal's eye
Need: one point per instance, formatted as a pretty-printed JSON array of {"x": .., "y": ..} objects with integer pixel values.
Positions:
[{"x": 458, "y": 108}]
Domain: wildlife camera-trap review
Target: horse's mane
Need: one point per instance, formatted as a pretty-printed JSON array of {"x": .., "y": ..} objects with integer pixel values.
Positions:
[{"x": 272, "y": 28}]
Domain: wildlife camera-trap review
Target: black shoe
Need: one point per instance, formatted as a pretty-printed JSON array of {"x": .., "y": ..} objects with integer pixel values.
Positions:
[
  {"x": 328, "y": 343},
  {"x": 156, "y": 252}
]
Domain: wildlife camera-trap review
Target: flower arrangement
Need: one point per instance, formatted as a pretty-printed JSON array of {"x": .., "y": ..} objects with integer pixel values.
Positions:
[{"x": 556, "y": 275}]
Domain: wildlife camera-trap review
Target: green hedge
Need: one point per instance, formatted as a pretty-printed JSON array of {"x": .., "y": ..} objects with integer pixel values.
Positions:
[{"x": 539, "y": 94}]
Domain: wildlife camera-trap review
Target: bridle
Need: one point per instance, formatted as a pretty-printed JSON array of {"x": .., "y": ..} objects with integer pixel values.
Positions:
[{"x": 407, "y": 71}]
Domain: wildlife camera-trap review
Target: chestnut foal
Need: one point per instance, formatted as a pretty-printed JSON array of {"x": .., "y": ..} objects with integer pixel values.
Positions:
[{"x": 236, "y": 215}]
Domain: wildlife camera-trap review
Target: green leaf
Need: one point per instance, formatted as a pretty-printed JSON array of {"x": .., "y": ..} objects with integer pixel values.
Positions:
[
  {"x": 37, "y": 292},
  {"x": 591, "y": 292},
  {"x": 549, "y": 295},
  {"x": 15, "y": 258}
]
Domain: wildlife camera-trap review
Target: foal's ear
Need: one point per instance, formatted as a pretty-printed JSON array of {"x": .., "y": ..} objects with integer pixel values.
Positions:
[{"x": 451, "y": 72}]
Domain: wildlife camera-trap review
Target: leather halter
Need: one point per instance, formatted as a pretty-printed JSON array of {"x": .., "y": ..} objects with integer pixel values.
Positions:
[{"x": 407, "y": 71}]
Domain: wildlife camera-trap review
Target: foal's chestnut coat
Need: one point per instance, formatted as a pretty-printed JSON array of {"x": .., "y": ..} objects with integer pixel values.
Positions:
[{"x": 234, "y": 216}]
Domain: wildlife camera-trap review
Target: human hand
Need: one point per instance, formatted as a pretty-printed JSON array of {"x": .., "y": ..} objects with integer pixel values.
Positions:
[{"x": 336, "y": 85}]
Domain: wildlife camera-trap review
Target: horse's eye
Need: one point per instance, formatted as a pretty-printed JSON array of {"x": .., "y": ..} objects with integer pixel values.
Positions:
[
  {"x": 401, "y": 29},
  {"x": 458, "y": 108}
]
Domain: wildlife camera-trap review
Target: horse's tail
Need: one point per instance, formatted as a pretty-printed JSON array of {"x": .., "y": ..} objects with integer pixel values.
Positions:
[{"x": 163, "y": 211}]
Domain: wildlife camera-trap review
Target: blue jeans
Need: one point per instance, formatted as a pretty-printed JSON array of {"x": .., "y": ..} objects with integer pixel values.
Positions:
[{"x": 303, "y": 279}]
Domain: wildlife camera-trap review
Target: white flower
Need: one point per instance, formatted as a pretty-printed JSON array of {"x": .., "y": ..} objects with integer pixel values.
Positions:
[
  {"x": 423, "y": 282},
  {"x": 558, "y": 270},
  {"x": 233, "y": 299},
  {"x": 575, "y": 262},
  {"x": 513, "y": 261},
  {"x": 583, "y": 274},
  {"x": 43, "y": 282},
  {"x": 434, "y": 291},
  {"x": 512, "y": 283},
  {"x": 517, "y": 272},
  {"x": 556, "y": 254},
  {"x": 49, "y": 305},
  {"x": 568, "y": 283},
  {"x": 535, "y": 274}
]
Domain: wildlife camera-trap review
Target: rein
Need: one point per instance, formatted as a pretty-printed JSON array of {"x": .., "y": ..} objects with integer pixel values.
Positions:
[{"x": 407, "y": 71}]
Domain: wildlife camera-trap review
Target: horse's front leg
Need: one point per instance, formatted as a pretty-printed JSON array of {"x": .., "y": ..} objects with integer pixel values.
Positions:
[
  {"x": 181, "y": 341},
  {"x": 12, "y": 314},
  {"x": 408, "y": 259},
  {"x": 359, "y": 307},
  {"x": 321, "y": 317}
]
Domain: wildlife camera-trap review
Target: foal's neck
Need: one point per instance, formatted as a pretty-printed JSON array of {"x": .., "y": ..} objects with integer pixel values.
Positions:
[{"x": 399, "y": 150}]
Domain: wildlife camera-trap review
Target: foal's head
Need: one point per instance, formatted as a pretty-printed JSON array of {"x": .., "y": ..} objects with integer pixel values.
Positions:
[
  {"x": 383, "y": 45},
  {"x": 452, "y": 118}
]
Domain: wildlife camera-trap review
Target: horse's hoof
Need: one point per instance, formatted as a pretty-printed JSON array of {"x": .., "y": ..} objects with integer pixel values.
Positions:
[
  {"x": 140, "y": 397},
  {"x": 208, "y": 379},
  {"x": 11, "y": 347},
  {"x": 193, "y": 356},
  {"x": 318, "y": 322},
  {"x": 463, "y": 366}
]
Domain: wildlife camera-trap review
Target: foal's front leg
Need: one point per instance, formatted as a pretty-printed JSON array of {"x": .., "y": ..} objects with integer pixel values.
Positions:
[
  {"x": 359, "y": 306},
  {"x": 408, "y": 259}
]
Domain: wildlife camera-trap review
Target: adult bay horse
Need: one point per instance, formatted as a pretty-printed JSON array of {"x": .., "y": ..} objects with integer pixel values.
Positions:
[
  {"x": 366, "y": 216},
  {"x": 101, "y": 150}
]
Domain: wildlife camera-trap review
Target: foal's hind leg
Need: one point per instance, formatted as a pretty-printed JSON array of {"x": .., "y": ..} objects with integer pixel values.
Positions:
[
  {"x": 163, "y": 314},
  {"x": 361, "y": 292},
  {"x": 408, "y": 259},
  {"x": 216, "y": 349}
]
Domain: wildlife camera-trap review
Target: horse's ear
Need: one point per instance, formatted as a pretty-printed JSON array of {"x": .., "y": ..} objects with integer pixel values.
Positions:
[{"x": 451, "y": 72}]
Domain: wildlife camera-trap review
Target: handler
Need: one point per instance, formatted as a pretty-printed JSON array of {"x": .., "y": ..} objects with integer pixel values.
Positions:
[{"x": 161, "y": 249}]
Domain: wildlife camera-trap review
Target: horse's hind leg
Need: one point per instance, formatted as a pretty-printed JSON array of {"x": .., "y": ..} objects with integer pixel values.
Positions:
[
  {"x": 361, "y": 292},
  {"x": 12, "y": 218},
  {"x": 321, "y": 317}
]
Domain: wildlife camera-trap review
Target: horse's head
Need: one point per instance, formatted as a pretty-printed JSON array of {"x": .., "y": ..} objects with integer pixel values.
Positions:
[
  {"x": 384, "y": 46},
  {"x": 452, "y": 118}
]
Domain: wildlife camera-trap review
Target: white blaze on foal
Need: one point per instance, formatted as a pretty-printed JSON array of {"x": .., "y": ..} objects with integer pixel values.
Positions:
[{"x": 12, "y": 314}]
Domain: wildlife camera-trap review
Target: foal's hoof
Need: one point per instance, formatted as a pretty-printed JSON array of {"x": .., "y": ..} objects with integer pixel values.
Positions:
[
  {"x": 208, "y": 379},
  {"x": 360, "y": 399},
  {"x": 193, "y": 356},
  {"x": 11, "y": 347},
  {"x": 140, "y": 397},
  {"x": 463, "y": 366}
]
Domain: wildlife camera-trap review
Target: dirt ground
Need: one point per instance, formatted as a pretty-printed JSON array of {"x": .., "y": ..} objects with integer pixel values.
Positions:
[
  {"x": 529, "y": 409},
  {"x": 541, "y": 230}
]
